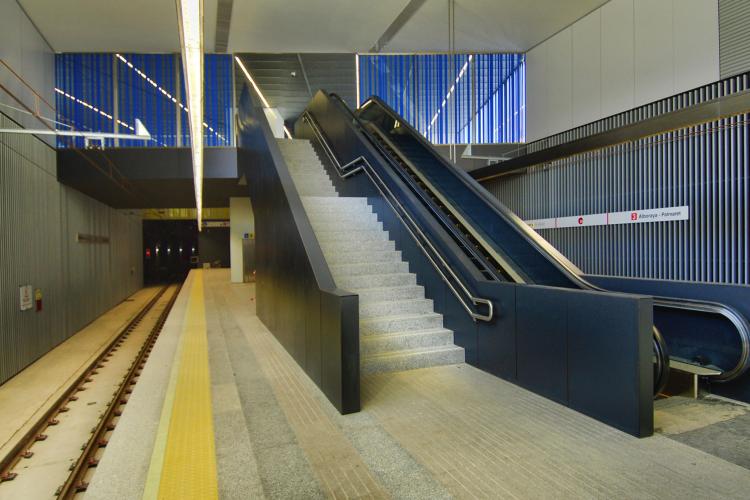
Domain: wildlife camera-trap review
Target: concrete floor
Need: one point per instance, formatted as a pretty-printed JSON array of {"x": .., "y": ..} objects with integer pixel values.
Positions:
[
  {"x": 442, "y": 432},
  {"x": 717, "y": 426}
]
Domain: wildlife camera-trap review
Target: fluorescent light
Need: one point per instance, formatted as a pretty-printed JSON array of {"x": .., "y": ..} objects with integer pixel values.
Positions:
[
  {"x": 252, "y": 82},
  {"x": 257, "y": 90},
  {"x": 356, "y": 73},
  {"x": 190, "y": 20}
]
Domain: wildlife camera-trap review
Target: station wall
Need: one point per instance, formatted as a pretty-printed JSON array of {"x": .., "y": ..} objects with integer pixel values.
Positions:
[
  {"x": 705, "y": 168},
  {"x": 622, "y": 55},
  {"x": 41, "y": 218}
]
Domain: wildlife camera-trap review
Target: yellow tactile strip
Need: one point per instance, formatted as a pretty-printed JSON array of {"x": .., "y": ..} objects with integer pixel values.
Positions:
[
  {"x": 333, "y": 459},
  {"x": 188, "y": 464}
]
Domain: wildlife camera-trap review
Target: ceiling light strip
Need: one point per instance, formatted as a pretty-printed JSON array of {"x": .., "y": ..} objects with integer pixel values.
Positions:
[
  {"x": 252, "y": 82},
  {"x": 257, "y": 91},
  {"x": 190, "y": 20}
]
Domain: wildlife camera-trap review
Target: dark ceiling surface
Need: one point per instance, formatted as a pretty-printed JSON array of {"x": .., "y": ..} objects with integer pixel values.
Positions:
[
  {"x": 150, "y": 177},
  {"x": 288, "y": 81}
]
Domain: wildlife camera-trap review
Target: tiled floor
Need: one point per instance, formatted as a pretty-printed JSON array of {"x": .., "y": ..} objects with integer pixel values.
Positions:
[{"x": 442, "y": 432}]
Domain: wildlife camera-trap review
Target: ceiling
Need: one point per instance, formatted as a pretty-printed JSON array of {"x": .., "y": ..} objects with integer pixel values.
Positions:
[
  {"x": 305, "y": 25},
  {"x": 282, "y": 78}
]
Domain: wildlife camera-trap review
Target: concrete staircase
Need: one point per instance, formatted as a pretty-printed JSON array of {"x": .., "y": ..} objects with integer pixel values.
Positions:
[{"x": 399, "y": 328}]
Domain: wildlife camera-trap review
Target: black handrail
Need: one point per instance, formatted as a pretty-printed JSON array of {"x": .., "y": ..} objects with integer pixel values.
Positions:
[
  {"x": 661, "y": 365},
  {"x": 572, "y": 272},
  {"x": 488, "y": 271},
  {"x": 422, "y": 241}
]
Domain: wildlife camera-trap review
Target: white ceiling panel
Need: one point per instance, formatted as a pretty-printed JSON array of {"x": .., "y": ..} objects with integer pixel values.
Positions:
[
  {"x": 305, "y": 25},
  {"x": 310, "y": 25},
  {"x": 488, "y": 25}
]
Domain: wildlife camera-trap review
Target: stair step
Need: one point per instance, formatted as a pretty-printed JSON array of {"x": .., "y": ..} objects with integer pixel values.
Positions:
[
  {"x": 404, "y": 341},
  {"x": 351, "y": 225},
  {"x": 337, "y": 235},
  {"x": 400, "y": 323},
  {"x": 334, "y": 246},
  {"x": 341, "y": 201},
  {"x": 375, "y": 281},
  {"x": 335, "y": 257},
  {"x": 316, "y": 190},
  {"x": 399, "y": 329},
  {"x": 345, "y": 217},
  {"x": 375, "y": 309},
  {"x": 413, "y": 359},
  {"x": 385, "y": 293},
  {"x": 369, "y": 268}
]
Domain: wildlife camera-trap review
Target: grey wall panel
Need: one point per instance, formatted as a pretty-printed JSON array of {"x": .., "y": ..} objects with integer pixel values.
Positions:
[
  {"x": 725, "y": 87},
  {"x": 705, "y": 167},
  {"x": 734, "y": 37},
  {"x": 39, "y": 219}
]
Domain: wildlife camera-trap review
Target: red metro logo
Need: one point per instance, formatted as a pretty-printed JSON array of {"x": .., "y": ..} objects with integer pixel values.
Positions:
[
  {"x": 580, "y": 221},
  {"x": 633, "y": 215}
]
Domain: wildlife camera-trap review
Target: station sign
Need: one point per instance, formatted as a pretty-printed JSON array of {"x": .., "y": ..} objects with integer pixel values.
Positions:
[
  {"x": 610, "y": 218},
  {"x": 215, "y": 223}
]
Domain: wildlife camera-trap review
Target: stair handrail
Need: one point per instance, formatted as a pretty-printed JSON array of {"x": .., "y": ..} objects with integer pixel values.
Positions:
[{"x": 361, "y": 164}]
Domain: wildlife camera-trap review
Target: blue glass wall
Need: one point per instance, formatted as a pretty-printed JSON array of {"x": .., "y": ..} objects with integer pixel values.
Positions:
[
  {"x": 464, "y": 98},
  {"x": 107, "y": 92}
]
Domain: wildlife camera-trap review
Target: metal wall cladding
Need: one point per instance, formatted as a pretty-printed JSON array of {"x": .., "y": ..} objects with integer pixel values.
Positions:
[
  {"x": 451, "y": 99},
  {"x": 734, "y": 26},
  {"x": 39, "y": 219},
  {"x": 705, "y": 167}
]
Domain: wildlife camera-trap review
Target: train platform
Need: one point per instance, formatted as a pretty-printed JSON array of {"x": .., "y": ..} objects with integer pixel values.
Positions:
[{"x": 222, "y": 411}]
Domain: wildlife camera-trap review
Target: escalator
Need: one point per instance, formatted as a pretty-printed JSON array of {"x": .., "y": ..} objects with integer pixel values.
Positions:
[{"x": 506, "y": 249}]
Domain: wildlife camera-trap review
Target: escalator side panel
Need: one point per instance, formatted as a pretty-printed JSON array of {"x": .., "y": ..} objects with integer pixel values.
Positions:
[
  {"x": 491, "y": 346},
  {"x": 693, "y": 337},
  {"x": 590, "y": 352},
  {"x": 542, "y": 342},
  {"x": 496, "y": 341}
]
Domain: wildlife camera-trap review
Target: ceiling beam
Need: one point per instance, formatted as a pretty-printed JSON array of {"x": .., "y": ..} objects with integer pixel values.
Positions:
[
  {"x": 411, "y": 8},
  {"x": 223, "y": 24}
]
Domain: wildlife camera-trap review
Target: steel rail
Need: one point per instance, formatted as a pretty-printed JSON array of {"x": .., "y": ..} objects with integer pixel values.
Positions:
[
  {"x": 35, "y": 433},
  {"x": 75, "y": 483}
]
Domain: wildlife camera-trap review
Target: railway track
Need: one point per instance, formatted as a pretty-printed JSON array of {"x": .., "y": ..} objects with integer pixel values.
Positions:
[{"x": 59, "y": 454}]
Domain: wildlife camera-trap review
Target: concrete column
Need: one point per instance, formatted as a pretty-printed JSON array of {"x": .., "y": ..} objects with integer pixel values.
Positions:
[{"x": 241, "y": 226}]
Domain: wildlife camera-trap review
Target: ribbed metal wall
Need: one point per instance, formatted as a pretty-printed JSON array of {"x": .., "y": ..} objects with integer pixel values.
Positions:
[
  {"x": 705, "y": 167},
  {"x": 40, "y": 219},
  {"x": 107, "y": 92},
  {"x": 734, "y": 37},
  {"x": 464, "y": 98}
]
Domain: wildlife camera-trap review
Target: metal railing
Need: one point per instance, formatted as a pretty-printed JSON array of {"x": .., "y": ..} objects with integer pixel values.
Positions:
[
  {"x": 575, "y": 275},
  {"x": 361, "y": 164}
]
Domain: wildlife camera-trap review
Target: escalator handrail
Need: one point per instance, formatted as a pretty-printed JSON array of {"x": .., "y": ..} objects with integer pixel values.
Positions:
[
  {"x": 572, "y": 272},
  {"x": 361, "y": 164},
  {"x": 501, "y": 261},
  {"x": 467, "y": 245}
]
